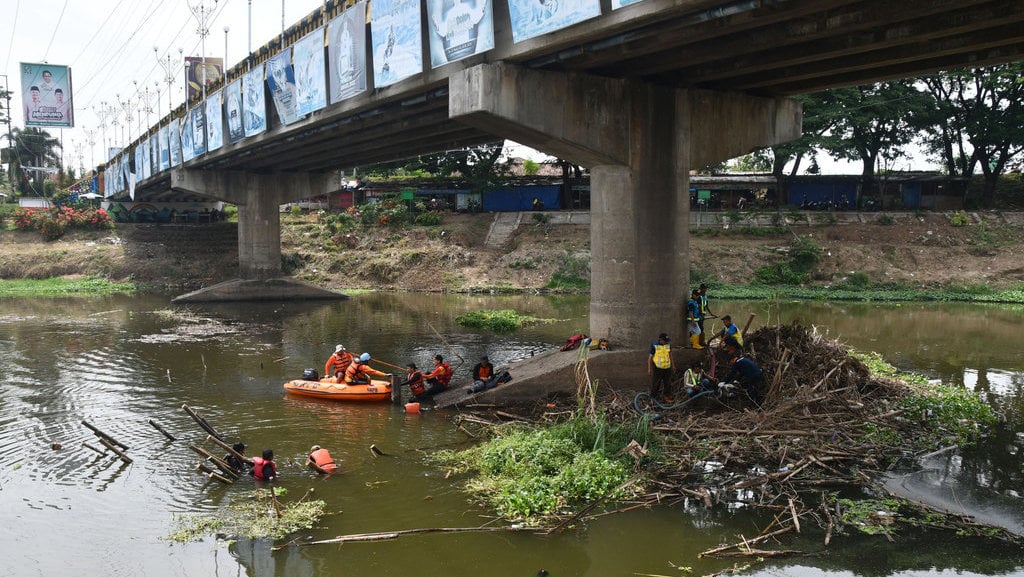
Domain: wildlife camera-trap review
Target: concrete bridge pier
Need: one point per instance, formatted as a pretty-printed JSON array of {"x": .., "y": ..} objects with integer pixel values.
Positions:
[
  {"x": 640, "y": 141},
  {"x": 258, "y": 197}
]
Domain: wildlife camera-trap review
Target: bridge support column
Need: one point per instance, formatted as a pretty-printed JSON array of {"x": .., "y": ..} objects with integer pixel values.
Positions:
[
  {"x": 258, "y": 197},
  {"x": 640, "y": 141}
]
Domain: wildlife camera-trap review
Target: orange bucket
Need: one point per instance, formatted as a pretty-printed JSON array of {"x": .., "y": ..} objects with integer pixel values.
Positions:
[{"x": 412, "y": 408}]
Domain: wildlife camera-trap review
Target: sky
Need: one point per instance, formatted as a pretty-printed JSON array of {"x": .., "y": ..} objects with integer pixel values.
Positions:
[{"x": 109, "y": 46}]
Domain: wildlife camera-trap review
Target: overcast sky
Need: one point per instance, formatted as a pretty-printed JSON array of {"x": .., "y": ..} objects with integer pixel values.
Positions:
[{"x": 109, "y": 46}]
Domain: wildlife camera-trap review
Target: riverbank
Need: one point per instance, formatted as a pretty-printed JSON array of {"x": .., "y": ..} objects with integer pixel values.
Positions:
[{"x": 936, "y": 255}]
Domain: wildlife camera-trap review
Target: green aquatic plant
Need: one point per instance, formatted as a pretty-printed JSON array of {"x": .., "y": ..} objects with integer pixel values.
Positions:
[
  {"x": 527, "y": 472},
  {"x": 499, "y": 321},
  {"x": 59, "y": 287},
  {"x": 256, "y": 515}
]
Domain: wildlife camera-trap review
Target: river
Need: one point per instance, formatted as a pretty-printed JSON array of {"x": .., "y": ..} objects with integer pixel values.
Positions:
[{"x": 117, "y": 362}]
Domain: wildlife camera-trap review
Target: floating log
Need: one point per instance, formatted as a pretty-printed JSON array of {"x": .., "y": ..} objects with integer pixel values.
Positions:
[
  {"x": 376, "y": 452},
  {"x": 224, "y": 467},
  {"x": 206, "y": 426},
  {"x": 116, "y": 450},
  {"x": 161, "y": 429},
  {"x": 103, "y": 435},
  {"x": 386, "y": 535},
  {"x": 745, "y": 544}
]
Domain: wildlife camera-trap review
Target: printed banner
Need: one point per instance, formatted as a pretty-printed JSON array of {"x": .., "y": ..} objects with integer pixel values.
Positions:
[
  {"x": 310, "y": 79},
  {"x": 233, "y": 111},
  {"x": 46, "y": 95},
  {"x": 110, "y": 178},
  {"x": 198, "y": 115},
  {"x": 113, "y": 151},
  {"x": 174, "y": 141},
  {"x": 254, "y": 107},
  {"x": 397, "y": 42},
  {"x": 458, "y": 29},
  {"x": 616, "y": 4},
  {"x": 198, "y": 72},
  {"x": 532, "y": 18},
  {"x": 214, "y": 121},
  {"x": 347, "y": 50},
  {"x": 281, "y": 81},
  {"x": 140, "y": 161},
  {"x": 188, "y": 147},
  {"x": 154, "y": 154},
  {"x": 165, "y": 151}
]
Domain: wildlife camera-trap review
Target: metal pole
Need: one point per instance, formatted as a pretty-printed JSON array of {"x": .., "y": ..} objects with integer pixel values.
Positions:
[
  {"x": 250, "y": 26},
  {"x": 226, "y": 29}
]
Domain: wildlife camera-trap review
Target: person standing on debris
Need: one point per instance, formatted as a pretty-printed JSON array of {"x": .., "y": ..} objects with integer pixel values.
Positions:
[
  {"x": 659, "y": 367},
  {"x": 746, "y": 370},
  {"x": 321, "y": 460},
  {"x": 359, "y": 373},
  {"x": 694, "y": 319},
  {"x": 338, "y": 363},
  {"x": 705, "y": 312},
  {"x": 236, "y": 463},
  {"x": 264, "y": 468}
]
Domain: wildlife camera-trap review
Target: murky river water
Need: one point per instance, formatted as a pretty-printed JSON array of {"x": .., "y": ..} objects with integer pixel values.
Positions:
[{"x": 118, "y": 362}]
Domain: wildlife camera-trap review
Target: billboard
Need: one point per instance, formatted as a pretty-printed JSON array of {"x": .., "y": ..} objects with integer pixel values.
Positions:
[
  {"x": 188, "y": 151},
  {"x": 174, "y": 141},
  {"x": 198, "y": 117},
  {"x": 198, "y": 72},
  {"x": 254, "y": 106},
  {"x": 46, "y": 95},
  {"x": 532, "y": 18},
  {"x": 616, "y": 4},
  {"x": 397, "y": 42},
  {"x": 310, "y": 82},
  {"x": 459, "y": 29},
  {"x": 281, "y": 81},
  {"x": 347, "y": 53}
]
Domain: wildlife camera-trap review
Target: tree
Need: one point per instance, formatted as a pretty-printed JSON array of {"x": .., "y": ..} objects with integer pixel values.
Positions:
[
  {"x": 978, "y": 117},
  {"x": 482, "y": 167},
  {"x": 36, "y": 148},
  {"x": 819, "y": 118},
  {"x": 873, "y": 122}
]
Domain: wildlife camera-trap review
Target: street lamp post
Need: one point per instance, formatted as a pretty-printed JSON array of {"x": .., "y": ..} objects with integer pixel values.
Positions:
[
  {"x": 90, "y": 139},
  {"x": 170, "y": 69},
  {"x": 226, "y": 29},
  {"x": 202, "y": 14}
]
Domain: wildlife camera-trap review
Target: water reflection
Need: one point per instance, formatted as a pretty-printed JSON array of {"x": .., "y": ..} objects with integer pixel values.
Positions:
[{"x": 117, "y": 362}]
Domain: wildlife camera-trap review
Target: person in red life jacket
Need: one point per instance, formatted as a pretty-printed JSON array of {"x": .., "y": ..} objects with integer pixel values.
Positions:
[
  {"x": 321, "y": 460},
  {"x": 338, "y": 363},
  {"x": 359, "y": 372},
  {"x": 483, "y": 376},
  {"x": 414, "y": 380},
  {"x": 263, "y": 468},
  {"x": 438, "y": 379}
]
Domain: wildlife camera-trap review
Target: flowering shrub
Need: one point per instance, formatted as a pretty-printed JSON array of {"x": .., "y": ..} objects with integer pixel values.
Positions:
[{"x": 54, "y": 222}]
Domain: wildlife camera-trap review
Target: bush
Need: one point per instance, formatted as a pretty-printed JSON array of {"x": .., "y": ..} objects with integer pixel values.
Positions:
[
  {"x": 427, "y": 219},
  {"x": 959, "y": 218}
]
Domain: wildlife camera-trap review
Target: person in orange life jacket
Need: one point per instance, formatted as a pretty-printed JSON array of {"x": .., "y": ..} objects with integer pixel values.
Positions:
[
  {"x": 322, "y": 459},
  {"x": 338, "y": 363},
  {"x": 415, "y": 381},
  {"x": 236, "y": 463},
  {"x": 483, "y": 376},
  {"x": 263, "y": 468},
  {"x": 659, "y": 366},
  {"x": 359, "y": 372},
  {"x": 438, "y": 379}
]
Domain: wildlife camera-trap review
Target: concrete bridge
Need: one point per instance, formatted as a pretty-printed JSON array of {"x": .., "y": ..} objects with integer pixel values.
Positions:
[{"x": 640, "y": 94}]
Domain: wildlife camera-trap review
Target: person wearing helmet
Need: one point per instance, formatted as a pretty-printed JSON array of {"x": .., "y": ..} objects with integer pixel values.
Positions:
[
  {"x": 321, "y": 460},
  {"x": 359, "y": 372},
  {"x": 338, "y": 363}
]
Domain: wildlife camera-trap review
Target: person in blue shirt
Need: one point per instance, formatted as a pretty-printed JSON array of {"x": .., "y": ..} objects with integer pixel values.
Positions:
[
  {"x": 745, "y": 371},
  {"x": 694, "y": 318}
]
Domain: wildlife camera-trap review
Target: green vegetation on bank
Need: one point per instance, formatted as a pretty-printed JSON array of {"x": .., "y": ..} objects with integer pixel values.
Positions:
[
  {"x": 499, "y": 321},
  {"x": 877, "y": 293},
  {"x": 59, "y": 287}
]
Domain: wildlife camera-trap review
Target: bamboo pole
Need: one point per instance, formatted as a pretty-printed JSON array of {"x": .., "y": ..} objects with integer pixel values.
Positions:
[
  {"x": 224, "y": 467},
  {"x": 103, "y": 435},
  {"x": 231, "y": 450},
  {"x": 213, "y": 474},
  {"x": 161, "y": 429},
  {"x": 116, "y": 450},
  {"x": 206, "y": 426},
  {"x": 387, "y": 535},
  {"x": 88, "y": 446}
]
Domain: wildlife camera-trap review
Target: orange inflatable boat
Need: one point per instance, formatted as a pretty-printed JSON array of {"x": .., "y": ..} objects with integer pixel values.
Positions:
[{"x": 330, "y": 388}]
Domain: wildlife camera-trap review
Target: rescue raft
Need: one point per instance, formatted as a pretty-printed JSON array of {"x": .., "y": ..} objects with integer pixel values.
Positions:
[{"x": 330, "y": 388}]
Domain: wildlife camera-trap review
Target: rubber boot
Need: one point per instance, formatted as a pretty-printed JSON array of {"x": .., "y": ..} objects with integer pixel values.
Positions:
[{"x": 695, "y": 342}]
